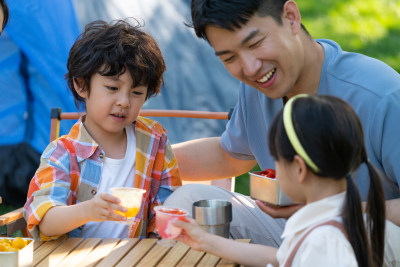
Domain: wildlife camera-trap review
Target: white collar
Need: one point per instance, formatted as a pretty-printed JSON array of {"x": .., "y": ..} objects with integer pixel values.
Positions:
[{"x": 314, "y": 213}]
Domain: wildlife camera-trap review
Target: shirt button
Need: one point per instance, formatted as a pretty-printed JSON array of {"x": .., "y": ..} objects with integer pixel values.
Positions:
[
  {"x": 101, "y": 155},
  {"x": 94, "y": 192}
]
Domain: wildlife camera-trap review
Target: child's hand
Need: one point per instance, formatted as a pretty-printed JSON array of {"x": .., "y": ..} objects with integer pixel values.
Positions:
[
  {"x": 102, "y": 206},
  {"x": 192, "y": 235}
]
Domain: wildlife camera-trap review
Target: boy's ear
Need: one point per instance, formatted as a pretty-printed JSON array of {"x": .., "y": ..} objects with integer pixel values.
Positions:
[
  {"x": 291, "y": 13},
  {"x": 301, "y": 168},
  {"x": 79, "y": 86}
]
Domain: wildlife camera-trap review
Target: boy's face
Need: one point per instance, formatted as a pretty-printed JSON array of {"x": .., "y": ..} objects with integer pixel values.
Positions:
[
  {"x": 262, "y": 54},
  {"x": 112, "y": 103}
]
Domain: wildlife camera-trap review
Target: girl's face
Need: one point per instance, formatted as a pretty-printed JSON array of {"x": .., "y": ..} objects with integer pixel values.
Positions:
[
  {"x": 112, "y": 103},
  {"x": 287, "y": 175}
]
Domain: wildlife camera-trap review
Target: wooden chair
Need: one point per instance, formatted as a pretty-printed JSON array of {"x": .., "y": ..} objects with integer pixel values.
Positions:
[{"x": 14, "y": 220}]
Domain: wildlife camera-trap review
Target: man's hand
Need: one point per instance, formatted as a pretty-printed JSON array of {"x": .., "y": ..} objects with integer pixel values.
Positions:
[{"x": 278, "y": 211}]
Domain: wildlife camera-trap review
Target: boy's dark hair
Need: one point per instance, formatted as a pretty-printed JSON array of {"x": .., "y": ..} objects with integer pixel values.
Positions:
[
  {"x": 111, "y": 49},
  {"x": 232, "y": 14},
  {"x": 4, "y": 8},
  {"x": 332, "y": 136}
]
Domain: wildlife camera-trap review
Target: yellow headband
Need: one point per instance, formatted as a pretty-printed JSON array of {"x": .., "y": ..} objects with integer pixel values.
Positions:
[{"x": 291, "y": 133}]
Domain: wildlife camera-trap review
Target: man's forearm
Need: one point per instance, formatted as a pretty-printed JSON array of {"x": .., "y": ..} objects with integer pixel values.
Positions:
[{"x": 204, "y": 159}]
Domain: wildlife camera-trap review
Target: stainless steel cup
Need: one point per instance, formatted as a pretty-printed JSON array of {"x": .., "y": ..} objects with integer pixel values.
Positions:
[{"x": 213, "y": 215}]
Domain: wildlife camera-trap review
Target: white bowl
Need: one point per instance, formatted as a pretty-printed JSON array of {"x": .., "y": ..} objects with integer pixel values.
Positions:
[
  {"x": 267, "y": 189},
  {"x": 23, "y": 257}
]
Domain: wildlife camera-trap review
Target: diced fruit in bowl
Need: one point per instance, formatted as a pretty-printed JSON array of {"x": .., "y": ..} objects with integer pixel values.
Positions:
[
  {"x": 16, "y": 251},
  {"x": 15, "y": 244}
]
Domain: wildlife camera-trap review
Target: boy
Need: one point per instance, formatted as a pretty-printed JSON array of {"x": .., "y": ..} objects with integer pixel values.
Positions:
[{"x": 112, "y": 70}]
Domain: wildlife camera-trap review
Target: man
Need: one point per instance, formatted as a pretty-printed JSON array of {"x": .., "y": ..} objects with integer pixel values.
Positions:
[{"x": 264, "y": 45}]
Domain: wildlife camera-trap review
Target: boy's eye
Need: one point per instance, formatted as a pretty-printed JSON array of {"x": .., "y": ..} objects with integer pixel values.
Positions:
[
  {"x": 137, "y": 93},
  {"x": 112, "y": 88}
]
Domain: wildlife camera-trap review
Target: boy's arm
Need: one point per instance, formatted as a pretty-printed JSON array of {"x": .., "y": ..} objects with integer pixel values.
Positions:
[{"x": 63, "y": 219}]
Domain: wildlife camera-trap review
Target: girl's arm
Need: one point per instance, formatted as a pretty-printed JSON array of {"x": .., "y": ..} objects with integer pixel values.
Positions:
[
  {"x": 242, "y": 253},
  {"x": 62, "y": 219}
]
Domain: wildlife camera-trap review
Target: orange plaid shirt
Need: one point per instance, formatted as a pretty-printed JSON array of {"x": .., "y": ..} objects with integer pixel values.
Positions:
[{"x": 70, "y": 172}]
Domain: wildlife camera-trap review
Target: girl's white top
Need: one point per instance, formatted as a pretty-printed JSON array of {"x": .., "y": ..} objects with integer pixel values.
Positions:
[{"x": 326, "y": 245}]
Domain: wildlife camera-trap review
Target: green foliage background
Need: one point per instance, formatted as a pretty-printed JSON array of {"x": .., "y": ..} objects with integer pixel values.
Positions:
[{"x": 370, "y": 27}]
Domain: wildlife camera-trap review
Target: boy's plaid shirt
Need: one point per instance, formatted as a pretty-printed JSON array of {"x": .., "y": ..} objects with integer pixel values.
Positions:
[{"x": 70, "y": 171}]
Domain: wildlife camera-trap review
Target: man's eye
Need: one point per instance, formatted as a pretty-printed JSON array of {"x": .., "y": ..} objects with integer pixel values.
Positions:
[
  {"x": 112, "y": 88},
  {"x": 256, "y": 44},
  {"x": 137, "y": 93}
]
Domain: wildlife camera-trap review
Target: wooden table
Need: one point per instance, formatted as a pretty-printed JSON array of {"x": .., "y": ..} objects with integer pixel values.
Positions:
[{"x": 116, "y": 252}]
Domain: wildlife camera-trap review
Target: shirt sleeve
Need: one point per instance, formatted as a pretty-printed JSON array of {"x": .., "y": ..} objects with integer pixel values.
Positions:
[
  {"x": 234, "y": 140},
  {"x": 325, "y": 246},
  {"x": 385, "y": 133},
  {"x": 170, "y": 178},
  {"x": 51, "y": 186}
]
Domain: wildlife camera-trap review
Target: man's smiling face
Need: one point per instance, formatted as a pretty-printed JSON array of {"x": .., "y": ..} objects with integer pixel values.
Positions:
[{"x": 262, "y": 54}]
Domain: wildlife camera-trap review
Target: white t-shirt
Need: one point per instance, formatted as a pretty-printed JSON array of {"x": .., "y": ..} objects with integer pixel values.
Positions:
[{"x": 115, "y": 173}]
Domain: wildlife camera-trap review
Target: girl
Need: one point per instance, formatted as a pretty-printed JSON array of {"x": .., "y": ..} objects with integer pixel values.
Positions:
[{"x": 317, "y": 142}]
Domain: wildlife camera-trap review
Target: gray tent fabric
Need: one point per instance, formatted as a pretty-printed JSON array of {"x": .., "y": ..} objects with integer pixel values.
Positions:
[
  {"x": 33, "y": 53},
  {"x": 195, "y": 78}
]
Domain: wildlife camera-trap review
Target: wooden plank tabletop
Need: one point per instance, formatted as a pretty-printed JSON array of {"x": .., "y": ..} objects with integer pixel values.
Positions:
[{"x": 116, "y": 252}]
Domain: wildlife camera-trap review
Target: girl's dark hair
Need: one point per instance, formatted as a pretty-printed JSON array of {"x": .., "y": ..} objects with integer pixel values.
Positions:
[
  {"x": 331, "y": 134},
  {"x": 112, "y": 48},
  {"x": 232, "y": 14},
  {"x": 4, "y": 8}
]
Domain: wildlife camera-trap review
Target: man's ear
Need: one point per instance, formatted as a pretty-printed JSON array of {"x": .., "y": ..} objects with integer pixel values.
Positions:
[
  {"x": 292, "y": 16},
  {"x": 79, "y": 86},
  {"x": 301, "y": 168}
]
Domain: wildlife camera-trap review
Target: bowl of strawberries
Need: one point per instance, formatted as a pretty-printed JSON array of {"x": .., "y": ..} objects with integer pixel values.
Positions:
[{"x": 265, "y": 187}]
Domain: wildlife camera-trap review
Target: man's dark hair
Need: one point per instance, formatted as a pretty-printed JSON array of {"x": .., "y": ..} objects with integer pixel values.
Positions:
[
  {"x": 232, "y": 14},
  {"x": 4, "y": 8},
  {"x": 111, "y": 49}
]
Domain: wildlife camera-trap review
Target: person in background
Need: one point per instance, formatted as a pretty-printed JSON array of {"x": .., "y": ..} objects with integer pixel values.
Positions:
[
  {"x": 3, "y": 15},
  {"x": 317, "y": 142},
  {"x": 264, "y": 44},
  {"x": 113, "y": 68}
]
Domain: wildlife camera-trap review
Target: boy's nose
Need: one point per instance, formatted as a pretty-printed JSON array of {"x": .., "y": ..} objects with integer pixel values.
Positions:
[{"x": 123, "y": 101}]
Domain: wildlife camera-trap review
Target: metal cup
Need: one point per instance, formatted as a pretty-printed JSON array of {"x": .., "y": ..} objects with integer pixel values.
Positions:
[{"x": 213, "y": 215}]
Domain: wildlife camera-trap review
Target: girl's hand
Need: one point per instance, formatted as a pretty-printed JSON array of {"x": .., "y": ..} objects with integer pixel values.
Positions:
[
  {"x": 192, "y": 235},
  {"x": 102, "y": 206}
]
